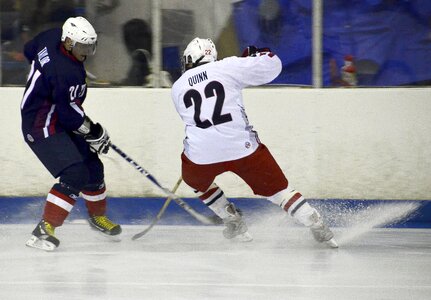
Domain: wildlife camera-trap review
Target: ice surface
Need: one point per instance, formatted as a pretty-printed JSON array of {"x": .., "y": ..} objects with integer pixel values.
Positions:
[{"x": 196, "y": 262}]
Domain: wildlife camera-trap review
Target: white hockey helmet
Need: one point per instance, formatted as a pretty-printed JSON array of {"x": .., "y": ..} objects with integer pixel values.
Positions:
[
  {"x": 82, "y": 34},
  {"x": 198, "y": 51}
]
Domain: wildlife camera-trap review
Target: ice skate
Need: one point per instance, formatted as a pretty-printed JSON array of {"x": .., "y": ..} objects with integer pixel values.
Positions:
[
  {"x": 321, "y": 231},
  {"x": 235, "y": 225},
  {"x": 105, "y": 226},
  {"x": 43, "y": 237}
]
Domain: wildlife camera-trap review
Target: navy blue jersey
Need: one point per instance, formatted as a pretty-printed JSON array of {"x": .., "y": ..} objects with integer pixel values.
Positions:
[{"x": 55, "y": 90}]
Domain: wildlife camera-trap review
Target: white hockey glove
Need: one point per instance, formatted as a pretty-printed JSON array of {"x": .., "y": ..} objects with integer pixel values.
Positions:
[
  {"x": 99, "y": 142},
  {"x": 95, "y": 135}
]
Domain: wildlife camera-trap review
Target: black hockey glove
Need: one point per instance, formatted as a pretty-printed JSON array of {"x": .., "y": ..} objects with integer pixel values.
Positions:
[
  {"x": 253, "y": 50},
  {"x": 95, "y": 135}
]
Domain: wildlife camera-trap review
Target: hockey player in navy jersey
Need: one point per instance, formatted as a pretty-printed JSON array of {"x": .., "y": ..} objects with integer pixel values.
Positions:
[
  {"x": 60, "y": 133},
  {"x": 219, "y": 138}
]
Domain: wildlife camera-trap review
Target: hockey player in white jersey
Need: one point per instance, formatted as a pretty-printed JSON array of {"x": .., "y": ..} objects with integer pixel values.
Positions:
[{"x": 219, "y": 138}]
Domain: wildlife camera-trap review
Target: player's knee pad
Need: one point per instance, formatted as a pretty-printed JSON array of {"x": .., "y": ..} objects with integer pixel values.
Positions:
[
  {"x": 95, "y": 187},
  {"x": 66, "y": 190},
  {"x": 96, "y": 171},
  {"x": 76, "y": 176}
]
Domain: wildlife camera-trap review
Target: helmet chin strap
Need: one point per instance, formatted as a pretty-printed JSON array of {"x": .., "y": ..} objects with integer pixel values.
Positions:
[{"x": 196, "y": 63}]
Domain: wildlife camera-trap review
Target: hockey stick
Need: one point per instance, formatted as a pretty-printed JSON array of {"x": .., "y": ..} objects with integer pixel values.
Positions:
[
  {"x": 179, "y": 201},
  {"x": 160, "y": 213}
]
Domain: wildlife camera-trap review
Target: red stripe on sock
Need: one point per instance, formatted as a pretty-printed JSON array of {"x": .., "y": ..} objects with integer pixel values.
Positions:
[{"x": 291, "y": 201}]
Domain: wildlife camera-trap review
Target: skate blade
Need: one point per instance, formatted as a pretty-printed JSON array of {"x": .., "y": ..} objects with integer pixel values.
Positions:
[
  {"x": 35, "y": 242},
  {"x": 332, "y": 243},
  {"x": 112, "y": 238}
]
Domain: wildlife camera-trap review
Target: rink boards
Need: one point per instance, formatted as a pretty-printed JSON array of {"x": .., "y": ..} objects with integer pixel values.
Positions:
[{"x": 357, "y": 144}]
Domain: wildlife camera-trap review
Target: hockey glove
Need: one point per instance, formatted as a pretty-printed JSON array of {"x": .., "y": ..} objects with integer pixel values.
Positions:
[
  {"x": 253, "y": 50},
  {"x": 99, "y": 139},
  {"x": 95, "y": 135}
]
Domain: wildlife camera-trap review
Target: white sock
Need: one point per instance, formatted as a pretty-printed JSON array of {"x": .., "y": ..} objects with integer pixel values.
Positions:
[{"x": 215, "y": 199}]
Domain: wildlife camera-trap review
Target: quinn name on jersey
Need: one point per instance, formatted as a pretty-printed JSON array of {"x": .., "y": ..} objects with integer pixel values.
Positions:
[{"x": 208, "y": 97}]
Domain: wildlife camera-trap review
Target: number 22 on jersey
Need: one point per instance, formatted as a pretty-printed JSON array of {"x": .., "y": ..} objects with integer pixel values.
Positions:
[{"x": 214, "y": 88}]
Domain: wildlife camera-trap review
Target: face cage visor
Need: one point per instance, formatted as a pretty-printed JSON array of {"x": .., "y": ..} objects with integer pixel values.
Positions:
[
  {"x": 85, "y": 49},
  {"x": 187, "y": 63}
]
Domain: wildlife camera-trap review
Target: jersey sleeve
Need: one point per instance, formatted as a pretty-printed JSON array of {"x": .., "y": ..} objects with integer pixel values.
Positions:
[
  {"x": 254, "y": 71},
  {"x": 30, "y": 50}
]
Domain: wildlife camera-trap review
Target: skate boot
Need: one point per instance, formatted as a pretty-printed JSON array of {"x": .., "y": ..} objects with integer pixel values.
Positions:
[
  {"x": 235, "y": 225},
  {"x": 321, "y": 231},
  {"x": 43, "y": 237},
  {"x": 104, "y": 225}
]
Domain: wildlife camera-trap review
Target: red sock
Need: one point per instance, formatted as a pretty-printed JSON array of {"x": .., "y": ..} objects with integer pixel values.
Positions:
[{"x": 57, "y": 207}]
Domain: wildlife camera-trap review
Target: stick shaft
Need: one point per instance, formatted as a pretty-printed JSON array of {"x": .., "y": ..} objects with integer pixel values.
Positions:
[
  {"x": 159, "y": 214},
  {"x": 178, "y": 200}
]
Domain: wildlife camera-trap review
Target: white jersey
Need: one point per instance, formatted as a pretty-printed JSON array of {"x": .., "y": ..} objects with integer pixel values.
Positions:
[{"x": 209, "y": 101}]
